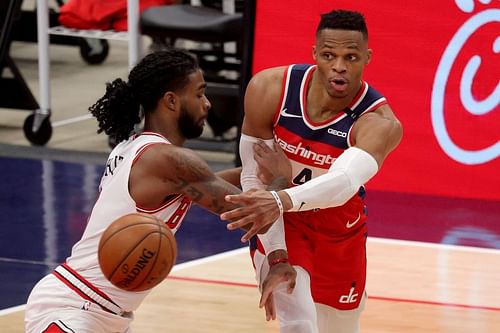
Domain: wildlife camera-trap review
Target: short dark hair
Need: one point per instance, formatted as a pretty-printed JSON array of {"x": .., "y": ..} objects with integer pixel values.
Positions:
[
  {"x": 343, "y": 20},
  {"x": 119, "y": 109}
]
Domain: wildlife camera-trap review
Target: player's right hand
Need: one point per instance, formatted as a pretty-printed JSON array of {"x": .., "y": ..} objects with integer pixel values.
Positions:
[
  {"x": 257, "y": 210},
  {"x": 272, "y": 163}
]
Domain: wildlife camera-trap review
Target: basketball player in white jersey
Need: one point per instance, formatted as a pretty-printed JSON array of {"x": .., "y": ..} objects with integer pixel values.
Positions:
[
  {"x": 336, "y": 130},
  {"x": 146, "y": 172}
]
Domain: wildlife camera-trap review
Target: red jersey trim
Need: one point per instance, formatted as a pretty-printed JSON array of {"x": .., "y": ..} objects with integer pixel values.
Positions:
[
  {"x": 145, "y": 147},
  {"x": 74, "y": 278},
  {"x": 303, "y": 103},
  {"x": 66, "y": 282},
  {"x": 341, "y": 115},
  {"x": 359, "y": 95},
  {"x": 156, "y": 210},
  {"x": 88, "y": 284},
  {"x": 154, "y": 134},
  {"x": 58, "y": 327},
  {"x": 375, "y": 105}
]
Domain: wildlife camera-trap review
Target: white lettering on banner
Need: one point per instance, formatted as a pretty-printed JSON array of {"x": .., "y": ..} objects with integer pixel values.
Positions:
[
  {"x": 317, "y": 158},
  {"x": 473, "y": 106}
]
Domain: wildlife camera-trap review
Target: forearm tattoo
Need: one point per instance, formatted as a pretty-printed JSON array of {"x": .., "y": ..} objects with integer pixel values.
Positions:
[
  {"x": 184, "y": 186},
  {"x": 196, "y": 180}
]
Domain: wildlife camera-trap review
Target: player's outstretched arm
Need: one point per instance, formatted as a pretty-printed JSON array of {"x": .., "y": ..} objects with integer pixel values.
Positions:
[
  {"x": 194, "y": 178},
  {"x": 376, "y": 135},
  {"x": 164, "y": 170}
]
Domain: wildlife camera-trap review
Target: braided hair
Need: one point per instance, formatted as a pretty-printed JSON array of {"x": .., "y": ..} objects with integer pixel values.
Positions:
[
  {"x": 343, "y": 20},
  {"x": 119, "y": 109}
]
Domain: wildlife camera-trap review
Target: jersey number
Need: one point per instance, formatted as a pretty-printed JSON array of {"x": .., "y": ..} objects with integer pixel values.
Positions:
[
  {"x": 177, "y": 216},
  {"x": 304, "y": 176}
]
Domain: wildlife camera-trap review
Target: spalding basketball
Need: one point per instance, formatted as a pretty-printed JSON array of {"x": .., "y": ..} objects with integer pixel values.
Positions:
[{"x": 136, "y": 252}]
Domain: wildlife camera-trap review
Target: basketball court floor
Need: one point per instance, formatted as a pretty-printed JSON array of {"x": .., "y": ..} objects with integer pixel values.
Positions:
[{"x": 434, "y": 262}]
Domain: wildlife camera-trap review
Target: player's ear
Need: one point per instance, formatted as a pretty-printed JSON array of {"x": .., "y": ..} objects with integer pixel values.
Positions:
[
  {"x": 369, "y": 53},
  {"x": 170, "y": 99},
  {"x": 314, "y": 52}
]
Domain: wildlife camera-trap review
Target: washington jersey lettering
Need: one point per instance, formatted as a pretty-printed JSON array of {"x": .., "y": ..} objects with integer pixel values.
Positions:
[{"x": 312, "y": 146}]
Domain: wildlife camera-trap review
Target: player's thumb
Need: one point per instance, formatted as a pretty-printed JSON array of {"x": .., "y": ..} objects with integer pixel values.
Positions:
[{"x": 263, "y": 298}]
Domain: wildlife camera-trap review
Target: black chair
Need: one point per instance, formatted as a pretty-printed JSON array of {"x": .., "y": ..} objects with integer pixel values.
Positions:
[
  {"x": 14, "y": 92},
  {"x": 204, "y": 30}
]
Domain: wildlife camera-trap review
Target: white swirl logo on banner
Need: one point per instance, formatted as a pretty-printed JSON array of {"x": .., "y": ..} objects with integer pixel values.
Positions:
[{"x": 471, "y": 104}]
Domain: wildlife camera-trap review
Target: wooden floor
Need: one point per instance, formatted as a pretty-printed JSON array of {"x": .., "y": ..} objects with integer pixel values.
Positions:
[{"x": 413, "y": 287}]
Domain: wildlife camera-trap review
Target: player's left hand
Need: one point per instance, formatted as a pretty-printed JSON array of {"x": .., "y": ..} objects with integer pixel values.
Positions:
[
  {"x": 269, "y": 307},
  {"x": 271, "y": 162},
  {"x": 279, "y": 273}
]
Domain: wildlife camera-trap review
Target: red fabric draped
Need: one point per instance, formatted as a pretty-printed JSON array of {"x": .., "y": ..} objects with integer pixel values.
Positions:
[{"x": 101, "y": 14}]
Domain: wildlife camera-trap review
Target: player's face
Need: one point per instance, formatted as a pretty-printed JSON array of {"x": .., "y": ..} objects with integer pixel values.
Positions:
[
  {"x": 341, "y": 56},
  {"x": 194, "y": 107}
]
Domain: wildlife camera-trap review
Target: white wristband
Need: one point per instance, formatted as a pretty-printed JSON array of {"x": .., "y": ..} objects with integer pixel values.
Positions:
[{"x": 278, "y": 201}]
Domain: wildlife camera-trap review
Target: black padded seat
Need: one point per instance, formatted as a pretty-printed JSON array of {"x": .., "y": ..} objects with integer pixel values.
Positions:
[{"x": 196, "y": 23}]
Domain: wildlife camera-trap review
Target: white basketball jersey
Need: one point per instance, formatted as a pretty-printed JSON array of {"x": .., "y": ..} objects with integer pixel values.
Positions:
[{"x": 114, "y": 201}]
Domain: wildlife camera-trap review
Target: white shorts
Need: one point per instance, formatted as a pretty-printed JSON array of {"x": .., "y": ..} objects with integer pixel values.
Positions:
[{"x": 52, "y": 302}]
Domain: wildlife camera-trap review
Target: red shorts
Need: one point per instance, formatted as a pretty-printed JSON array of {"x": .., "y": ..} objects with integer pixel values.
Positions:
[{"x": 331, "y": 245}]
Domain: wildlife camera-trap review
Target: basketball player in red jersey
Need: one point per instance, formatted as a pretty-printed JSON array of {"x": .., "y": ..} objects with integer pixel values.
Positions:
[
  {"x": 146, "y": 172},
  {"x": 336, "y": 130}
]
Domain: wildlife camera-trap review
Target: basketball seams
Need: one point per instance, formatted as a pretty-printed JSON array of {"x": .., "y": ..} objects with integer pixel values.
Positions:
[
  {"x": 132, "y": 249},
  {"x": 119, "y": 245},
  {"x": 153, "y": 264},
  {"x": 124, "y": 228}
]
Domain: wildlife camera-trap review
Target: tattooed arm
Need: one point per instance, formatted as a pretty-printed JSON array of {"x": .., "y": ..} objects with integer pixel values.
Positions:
[
  {"x": 194, "y": 178},
  {"x": 164, "y": 170}
]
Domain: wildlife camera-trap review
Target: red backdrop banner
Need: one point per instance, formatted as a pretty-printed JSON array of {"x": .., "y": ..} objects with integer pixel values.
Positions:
[{"x": 437, "y": 63}]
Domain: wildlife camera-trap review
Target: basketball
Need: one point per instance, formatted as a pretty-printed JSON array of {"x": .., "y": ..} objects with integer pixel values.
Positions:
[{"x": 136, "y": 252}]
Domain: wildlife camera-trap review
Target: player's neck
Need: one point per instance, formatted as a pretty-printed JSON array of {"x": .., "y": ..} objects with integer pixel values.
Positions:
[
  {"x": 324, "y": 105},
  {"x": 165, "y": 128}
]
